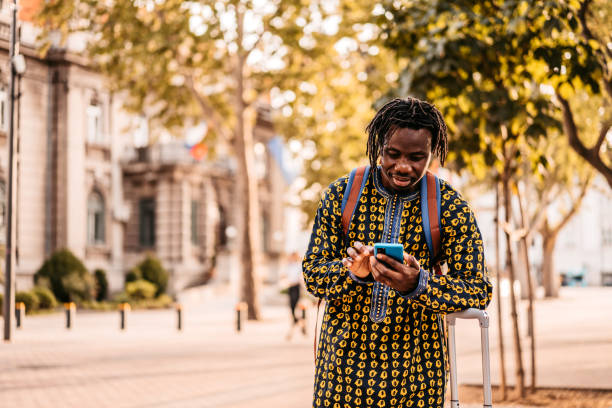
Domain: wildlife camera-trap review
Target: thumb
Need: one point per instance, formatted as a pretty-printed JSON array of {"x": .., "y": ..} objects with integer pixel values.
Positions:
[{"x": 411, "y": 261}]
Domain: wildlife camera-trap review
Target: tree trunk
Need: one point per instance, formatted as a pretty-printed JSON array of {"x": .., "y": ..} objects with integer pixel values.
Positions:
[
  {"x": 502, "y": 358},
  {"x": 520, "y": 373},
  {"x": 550, "y": 277},
  {"x": 247, "y": 198},
  {"x": 530, "y": 290}
]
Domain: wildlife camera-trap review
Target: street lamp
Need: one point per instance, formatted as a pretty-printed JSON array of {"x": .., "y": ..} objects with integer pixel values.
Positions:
[{"x": 17, "y": 67}]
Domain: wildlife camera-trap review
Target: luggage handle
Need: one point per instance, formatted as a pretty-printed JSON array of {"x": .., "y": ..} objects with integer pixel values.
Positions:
[{"x": 483, "y": 320}]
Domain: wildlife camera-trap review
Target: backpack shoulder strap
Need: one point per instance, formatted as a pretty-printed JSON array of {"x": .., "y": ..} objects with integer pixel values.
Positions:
[
  {"x": 430, "y": 211},
  {"x": 354, "y": 188}
]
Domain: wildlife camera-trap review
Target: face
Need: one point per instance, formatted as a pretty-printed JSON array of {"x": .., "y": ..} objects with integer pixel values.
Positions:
[{"x": 405, "y": 158}]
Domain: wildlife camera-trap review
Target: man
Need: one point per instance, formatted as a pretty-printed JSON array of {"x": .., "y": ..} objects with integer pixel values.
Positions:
[{"x": 382, "y": 342}]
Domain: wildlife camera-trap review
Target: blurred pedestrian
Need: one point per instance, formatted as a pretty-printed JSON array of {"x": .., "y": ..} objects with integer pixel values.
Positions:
[
  {"x": 381, "y": 343},
  {"x": 293, "y": 277}
]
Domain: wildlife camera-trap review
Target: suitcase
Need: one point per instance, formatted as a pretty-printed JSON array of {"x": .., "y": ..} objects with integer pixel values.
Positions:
[{"x": 483, "y": 320}]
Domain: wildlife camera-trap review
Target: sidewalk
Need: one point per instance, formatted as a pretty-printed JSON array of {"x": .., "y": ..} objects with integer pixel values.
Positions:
[{"x": 208, "y": 364}]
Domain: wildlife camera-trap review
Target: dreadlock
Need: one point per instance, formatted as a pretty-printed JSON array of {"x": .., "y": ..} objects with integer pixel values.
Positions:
[{"x": 408, "y": 113}]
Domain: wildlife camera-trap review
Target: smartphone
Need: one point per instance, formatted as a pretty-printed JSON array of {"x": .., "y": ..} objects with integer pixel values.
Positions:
[{"x": 395, "y": 251}]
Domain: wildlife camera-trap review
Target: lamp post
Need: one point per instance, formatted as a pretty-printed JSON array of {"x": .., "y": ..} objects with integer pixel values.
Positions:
[{"x": 17, "y": 66}]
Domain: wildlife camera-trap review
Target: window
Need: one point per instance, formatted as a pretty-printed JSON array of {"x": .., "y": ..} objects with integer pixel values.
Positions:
[
  {"x": 4, "y": 119},
  {"x": 3, "y": 212},
  {"x": 265, "y": 223},
  {"x": 194, "y": 222},
  {"x": 146, "y": 225},
  {"x": 94, "y": 124},
  {"x": 95, "y": 218}
]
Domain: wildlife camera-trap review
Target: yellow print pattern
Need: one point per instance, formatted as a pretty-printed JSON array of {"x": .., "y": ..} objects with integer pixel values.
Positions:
[{"x": 398, "y": 362}]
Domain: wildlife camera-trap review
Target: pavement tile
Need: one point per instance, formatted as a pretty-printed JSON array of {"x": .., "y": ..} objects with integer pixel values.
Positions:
[{"x": 208, "y": 364}]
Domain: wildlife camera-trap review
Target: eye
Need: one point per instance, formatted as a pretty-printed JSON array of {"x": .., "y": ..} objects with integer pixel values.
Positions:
[{"x": 394, "y": 154}]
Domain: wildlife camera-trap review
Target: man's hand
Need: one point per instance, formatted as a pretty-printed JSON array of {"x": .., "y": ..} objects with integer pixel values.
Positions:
[
  {"x": 357, "y": 259},
  {"x": 403, "y": 277}
]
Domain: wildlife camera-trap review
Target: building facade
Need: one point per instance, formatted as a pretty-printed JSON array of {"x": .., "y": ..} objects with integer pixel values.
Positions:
[{"x": 82, "y": 185}]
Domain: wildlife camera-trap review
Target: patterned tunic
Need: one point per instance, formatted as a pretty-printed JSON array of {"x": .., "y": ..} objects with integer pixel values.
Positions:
[{"x": 378, "y": 347}]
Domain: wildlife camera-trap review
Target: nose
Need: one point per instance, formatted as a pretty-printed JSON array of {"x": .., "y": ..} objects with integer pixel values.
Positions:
[{"x": 403, "y": 166}]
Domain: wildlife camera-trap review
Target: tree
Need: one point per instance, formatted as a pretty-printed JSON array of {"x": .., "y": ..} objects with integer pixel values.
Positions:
[
  {"x": 182, "y": 62},
  {"x": 589, "y": 24},
  {"x": 332, "y": 102},
  {"x": 499, "y": 102},
  {"x": 558, "y": 189},
  {"x": 462, "y": 56}
]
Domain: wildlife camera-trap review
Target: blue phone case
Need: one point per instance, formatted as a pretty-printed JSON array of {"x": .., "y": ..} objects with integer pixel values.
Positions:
[{"x": 395, "y": 251}]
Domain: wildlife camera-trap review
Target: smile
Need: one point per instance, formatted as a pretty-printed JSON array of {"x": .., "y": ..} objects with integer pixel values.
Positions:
[{"x": 402, "y": 181}]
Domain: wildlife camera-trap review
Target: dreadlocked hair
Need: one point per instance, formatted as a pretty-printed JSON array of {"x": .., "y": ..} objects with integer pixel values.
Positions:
[{"x": 408, "y": 113}]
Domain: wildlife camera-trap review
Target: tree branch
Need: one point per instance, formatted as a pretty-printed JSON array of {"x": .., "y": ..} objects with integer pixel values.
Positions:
[
  {"x": 592, "y": 156},
  {"x": 603, "y": 132},
  {"x": 211, "y": 114},
  {"x": 535, "y": 223},
  {"x": 575, "y": 206}
]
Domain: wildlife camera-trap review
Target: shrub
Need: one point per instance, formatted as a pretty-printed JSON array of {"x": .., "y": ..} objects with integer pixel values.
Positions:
[
  {"x": 162, "y": 301},
  {"x": 101, "y": 284},
  {"x": 133, "y": 275},
  {"x": 67, "y": 276},
  {"x": 140, "y": 290},
  {"x": 153, "y": 271},
  {"x": 30, "y": 300},
  {"x": 46, "y": 299},
  {"x": 122, "y": 297},
  {"x": 79, "y": 288}
]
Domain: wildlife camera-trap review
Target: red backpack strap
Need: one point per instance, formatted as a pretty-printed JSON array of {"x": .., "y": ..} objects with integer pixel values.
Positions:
[
  {"x": 434, "y": 212},
  {"x": 355, "y": 185},
  {"x": 430, "y": 212}
]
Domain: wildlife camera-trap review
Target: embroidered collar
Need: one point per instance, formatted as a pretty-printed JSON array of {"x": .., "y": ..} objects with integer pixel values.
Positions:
[{"x": 408, "y": 196}]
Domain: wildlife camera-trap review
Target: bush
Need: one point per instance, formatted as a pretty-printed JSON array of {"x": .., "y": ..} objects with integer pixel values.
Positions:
[
  {"x": 101, "y": 284},
  {"x": 140, "y": 290},
  {"x": 133, "y": 275},
  {"x": 153, "y": 271},
  {"x": 67, "y": 276},
  {"x": 46, "y": 299},
  {"x": 122, "y": 297},
  {"x": 160, "y": 302},
  {"x": 30, "y": 300},
  {"x": 79, "y": 288}
]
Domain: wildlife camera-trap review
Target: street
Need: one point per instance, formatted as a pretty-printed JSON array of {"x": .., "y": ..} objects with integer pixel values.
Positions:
[{"x": 208, "y": 364}]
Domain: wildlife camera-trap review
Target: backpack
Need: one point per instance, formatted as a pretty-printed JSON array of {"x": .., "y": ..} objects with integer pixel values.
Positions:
[
  {"x": 430, "y": 208},
  {"x": 430, "y": 214}
]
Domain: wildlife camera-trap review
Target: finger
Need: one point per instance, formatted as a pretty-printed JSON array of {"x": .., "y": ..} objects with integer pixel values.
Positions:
[
  {"x": 384, "y": 272},
  {"x": 390, "y": 261},
  {"x": 411, "y": 261},
  {"x": 362, "y": 249},
  {"x": 414, "y": 263},
  {"x": 379, "y": 277},
  {"x": 346, "y": 262},
  {"x": 373, "y": 268},
  {"x": 389, "y": 275},
  {"x": 352, "y": 252}
]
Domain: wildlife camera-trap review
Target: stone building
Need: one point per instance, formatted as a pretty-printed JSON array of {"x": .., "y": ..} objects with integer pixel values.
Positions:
[{"x": 82, "y": 185}]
